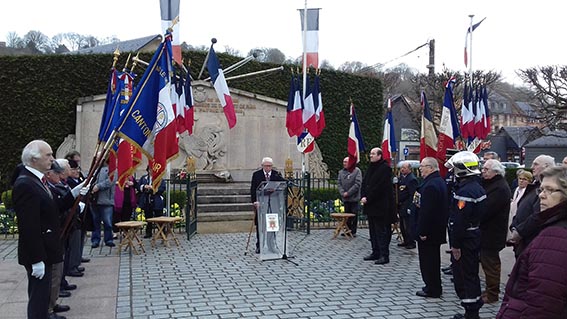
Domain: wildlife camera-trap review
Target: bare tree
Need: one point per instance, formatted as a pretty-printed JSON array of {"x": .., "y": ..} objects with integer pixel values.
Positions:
[
  {"x": 325, "y": 64},
  {"x": 37, "y": 42},
  {"x": 13, "y": 40},
  {"x": 232, "y": 51},
  {"x": 270, "y": 55},
  {"x": 549, "y": 84}
]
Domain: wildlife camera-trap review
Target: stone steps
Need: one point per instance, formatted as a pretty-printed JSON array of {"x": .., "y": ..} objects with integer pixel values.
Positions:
[{"x": 223, "y": 207}]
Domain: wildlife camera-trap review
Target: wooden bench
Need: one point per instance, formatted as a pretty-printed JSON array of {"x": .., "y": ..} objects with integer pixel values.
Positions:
[
  {"x": 342, "y": 225},
  {"x": 164, "y": 229},
  {"x": 130, "y": 229}
]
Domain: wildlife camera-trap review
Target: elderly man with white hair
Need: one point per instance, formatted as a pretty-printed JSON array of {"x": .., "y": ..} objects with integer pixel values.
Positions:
[
  {"x": 266, "y": 173},
  {"x": 493, "y": 226},
  {"x": 525, "y": 225}
]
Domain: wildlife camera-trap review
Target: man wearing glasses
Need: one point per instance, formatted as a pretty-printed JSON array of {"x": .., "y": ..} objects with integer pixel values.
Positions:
[
  {"x": 266, "y": 173},
  {"x": 432, "y": 212}
]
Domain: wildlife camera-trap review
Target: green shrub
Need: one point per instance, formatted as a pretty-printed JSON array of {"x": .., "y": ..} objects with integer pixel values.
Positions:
[
  {"x": 324, "y": 194},
  {"x": 7, "y": 199},
  {"x": 179, "y": 197}
]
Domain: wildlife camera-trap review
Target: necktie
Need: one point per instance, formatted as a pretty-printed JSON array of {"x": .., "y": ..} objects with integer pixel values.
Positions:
[
  {"x": 267, "y": 176},
  {"x": 44, "y": 182}
]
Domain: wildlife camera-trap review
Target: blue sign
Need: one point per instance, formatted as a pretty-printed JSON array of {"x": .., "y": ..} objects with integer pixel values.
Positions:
[{"x": 406, "y": 151}]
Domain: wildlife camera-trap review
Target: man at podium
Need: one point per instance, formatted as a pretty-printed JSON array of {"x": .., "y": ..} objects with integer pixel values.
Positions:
[{"x": 266, "y": 173}]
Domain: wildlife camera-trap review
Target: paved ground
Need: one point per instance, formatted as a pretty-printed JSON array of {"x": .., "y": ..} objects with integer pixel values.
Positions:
[{"x": 211, "y": 277}]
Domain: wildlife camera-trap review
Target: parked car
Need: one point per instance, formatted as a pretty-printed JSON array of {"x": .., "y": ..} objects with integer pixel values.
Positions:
[
  {"x": 413, "y": 163},
  {"x": 511, "y": 165}
]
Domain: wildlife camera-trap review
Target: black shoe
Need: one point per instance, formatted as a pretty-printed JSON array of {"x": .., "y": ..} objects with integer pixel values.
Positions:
[
  {"x": 371, "y": 257},
  {"x": 257, "y": 250},
  {"x": 109, "y": 244},
  {"x": 382, "y": 261},
  {"x": 148, "y": 236},
  {"x": 85, "y": 260},
  {"x": 75, "y": 273},
  {"x": 64, "y": 294},
  {"x": 444, "y": 269},
  {"x": 421, "y": 293},
  {"x": 80, "y": 268},
  {"x": 95, "y": 245},
  {"x": 61, "y": 308},
  {"x": 448, "y": 272},
  {"x": 69, "y": 287},
  {"x": 53, "y": 315},
  {"x": 410, "y": 246},
  {"x": 402, "y": 244}
]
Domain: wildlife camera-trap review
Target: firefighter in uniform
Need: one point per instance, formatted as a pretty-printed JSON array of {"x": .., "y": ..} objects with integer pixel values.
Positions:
[{"x": 467, "y": 204}]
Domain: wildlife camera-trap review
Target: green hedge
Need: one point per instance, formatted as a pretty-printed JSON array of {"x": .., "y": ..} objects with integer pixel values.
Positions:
[{"x": 39, "y": 98}]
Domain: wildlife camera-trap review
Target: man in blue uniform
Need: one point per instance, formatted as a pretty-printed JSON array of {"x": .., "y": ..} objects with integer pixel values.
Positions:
[{"x": 466, "y": 206}]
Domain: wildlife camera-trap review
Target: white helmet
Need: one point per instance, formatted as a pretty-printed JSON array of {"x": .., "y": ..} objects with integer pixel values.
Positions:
[{"x": 463, "y": 164}]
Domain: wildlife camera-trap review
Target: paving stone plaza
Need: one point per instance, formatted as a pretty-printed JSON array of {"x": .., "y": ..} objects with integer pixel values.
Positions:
[{"x": 210, "y": 276}]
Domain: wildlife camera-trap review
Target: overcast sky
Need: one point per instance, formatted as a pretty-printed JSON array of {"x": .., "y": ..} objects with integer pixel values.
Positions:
[{"x": 515, "y": 35}]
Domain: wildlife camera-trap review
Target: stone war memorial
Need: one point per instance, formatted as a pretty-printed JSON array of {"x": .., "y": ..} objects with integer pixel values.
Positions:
[{"x": 231, "y": 155}]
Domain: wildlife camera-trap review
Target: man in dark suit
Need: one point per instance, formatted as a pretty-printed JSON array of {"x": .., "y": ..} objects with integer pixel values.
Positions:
[
  {"x": 150, "y": 199},
  {"x": 377, "y": 196},
  {"x": 266, "y": 173},
  {"x": 432, "y": 203},
  {"x": 406, "y": 188},
  {"x": 39, "y": 243}
]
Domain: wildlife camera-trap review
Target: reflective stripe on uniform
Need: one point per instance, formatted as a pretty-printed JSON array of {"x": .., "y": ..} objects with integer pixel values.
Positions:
[
  {"x": 470, "y": 300},
  {"x": 468, "y": 199}
]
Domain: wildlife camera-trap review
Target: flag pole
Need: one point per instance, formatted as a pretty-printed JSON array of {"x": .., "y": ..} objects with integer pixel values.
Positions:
[
  {"x": 304, "y": 40},
  {"x": 213, "y": 41},
  {"x": 470, "y": 51}
]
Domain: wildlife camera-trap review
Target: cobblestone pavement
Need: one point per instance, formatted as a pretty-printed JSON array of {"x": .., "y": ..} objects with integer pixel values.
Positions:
[{"x": 211, "y": 277}]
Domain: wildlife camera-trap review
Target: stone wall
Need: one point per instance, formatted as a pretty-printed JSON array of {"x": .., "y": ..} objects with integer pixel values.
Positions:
[{"x": 260, "y": 131}]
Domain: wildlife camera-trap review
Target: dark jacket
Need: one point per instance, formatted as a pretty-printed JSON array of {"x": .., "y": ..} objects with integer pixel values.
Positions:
[
  {"x": 406, "y": 188},
  {"x": 38, "y": 222},
  {"x": 258, "y": 177},
  {"x": 64, "y": 200},
  {"x": 378, "y": 190},
  {"x": 526, "y": 222},
  {"x": 432, "y": 209},
  {"x": 537, "y": 287},
  {"x": 150, "y": 198},
  {"x": 350, "y": 182},
  {"x": 465, "y": 210},
  {"x": 494, "y": 220}
]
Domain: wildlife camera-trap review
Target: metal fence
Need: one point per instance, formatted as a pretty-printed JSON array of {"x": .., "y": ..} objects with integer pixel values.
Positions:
[{"x": 311, "y": 201}]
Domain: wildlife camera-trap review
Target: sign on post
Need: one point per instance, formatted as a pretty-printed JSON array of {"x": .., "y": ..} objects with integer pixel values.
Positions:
[{"x": 305, "y": 142}]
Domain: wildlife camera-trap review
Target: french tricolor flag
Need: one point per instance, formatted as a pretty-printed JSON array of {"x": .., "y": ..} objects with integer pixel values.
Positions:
[
  {"x": 355, "y": 142},
  {"x": 389, "y": 140},
  {"x": 219, "y": 82},
  {"x": 449, "y": 127},
  {"x": 311, "y": 36},
  {"x": 428, "y": 140}
]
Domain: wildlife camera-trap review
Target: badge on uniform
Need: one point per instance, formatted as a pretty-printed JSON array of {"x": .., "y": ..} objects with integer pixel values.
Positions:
[
  {"x": 417, "y": 199},
  {"x": 461, "y": 204}
]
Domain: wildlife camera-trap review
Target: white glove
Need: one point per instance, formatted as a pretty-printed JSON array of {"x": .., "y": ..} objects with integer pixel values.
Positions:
[
  {"x": 38, "y": 270},
  {"x": 77, "y": 190},
  {"x": 81, "y": 207}
]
